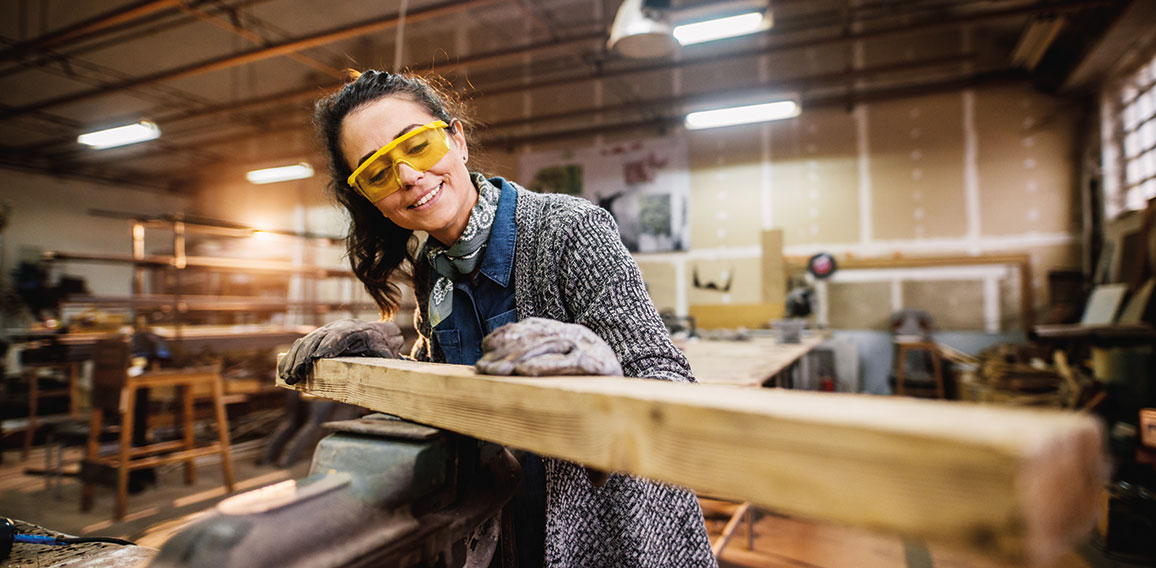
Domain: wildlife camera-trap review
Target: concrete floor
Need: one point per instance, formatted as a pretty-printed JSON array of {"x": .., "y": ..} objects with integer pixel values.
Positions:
[
  {"x": 782, "y": 542},
  {"x": 27, "y": 498}
]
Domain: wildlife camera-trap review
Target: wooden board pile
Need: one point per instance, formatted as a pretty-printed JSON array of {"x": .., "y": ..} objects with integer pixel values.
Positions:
[{"x": 1019, "y": 375}]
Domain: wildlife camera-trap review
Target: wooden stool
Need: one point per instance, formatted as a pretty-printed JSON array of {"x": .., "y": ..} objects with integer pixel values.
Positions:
[
  {"x": 902, "y": 348},
  {"x": 111, "y": 370},
  {"x": 58, "y": 436},
  {"x": 32, "y": 373}
]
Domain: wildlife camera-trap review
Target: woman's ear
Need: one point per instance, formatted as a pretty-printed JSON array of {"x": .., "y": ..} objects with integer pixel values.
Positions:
[{"x": 458, "y": 136}]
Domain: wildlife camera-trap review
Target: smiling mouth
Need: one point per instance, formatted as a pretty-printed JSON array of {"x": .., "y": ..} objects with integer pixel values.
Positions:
[{"x": 427, "y": 197}]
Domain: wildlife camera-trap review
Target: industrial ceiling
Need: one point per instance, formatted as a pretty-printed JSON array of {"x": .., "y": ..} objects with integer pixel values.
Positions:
[{"x": 231, "y": 82}]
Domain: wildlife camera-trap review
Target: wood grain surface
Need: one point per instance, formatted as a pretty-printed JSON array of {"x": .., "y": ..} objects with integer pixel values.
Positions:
[
  {"x": 751, "y": 363},
  {"x": 1017, "y": 484}
]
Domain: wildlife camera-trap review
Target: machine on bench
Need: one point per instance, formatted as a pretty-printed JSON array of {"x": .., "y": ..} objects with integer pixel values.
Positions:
[{"x": 381, "y": 492}]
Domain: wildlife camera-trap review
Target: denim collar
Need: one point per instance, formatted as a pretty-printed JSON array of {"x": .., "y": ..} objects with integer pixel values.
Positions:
[{"x": 498, "y": 261}]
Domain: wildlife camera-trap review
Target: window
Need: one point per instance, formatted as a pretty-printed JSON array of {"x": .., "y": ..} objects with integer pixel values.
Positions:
[{"x": 1130, "y": 142}]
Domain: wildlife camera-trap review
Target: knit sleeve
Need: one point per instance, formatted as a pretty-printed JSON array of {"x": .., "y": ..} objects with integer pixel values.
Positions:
[{"x": 602, "y": 288}]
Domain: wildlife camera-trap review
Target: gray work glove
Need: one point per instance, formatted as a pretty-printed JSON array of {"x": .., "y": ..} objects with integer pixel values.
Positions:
[
  {"x": 539, "y": 346},
  {"x": 336, "y": 339}
]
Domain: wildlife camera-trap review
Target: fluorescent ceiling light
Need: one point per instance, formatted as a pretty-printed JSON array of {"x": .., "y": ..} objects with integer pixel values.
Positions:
[
  {"x": 720, "y": 28},
  {"x": 742, "y": 115},
  {"x": 120, "y": 136},
  {"x": 1036, "y": 40},
  {"x": 282, "y": 173}
]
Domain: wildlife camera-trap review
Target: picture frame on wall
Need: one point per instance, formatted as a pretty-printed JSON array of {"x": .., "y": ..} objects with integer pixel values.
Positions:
[{"x": 644, "y": 184}]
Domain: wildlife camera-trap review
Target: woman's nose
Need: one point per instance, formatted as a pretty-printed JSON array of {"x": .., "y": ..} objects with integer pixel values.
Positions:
[{"x": 407, "y": 174}]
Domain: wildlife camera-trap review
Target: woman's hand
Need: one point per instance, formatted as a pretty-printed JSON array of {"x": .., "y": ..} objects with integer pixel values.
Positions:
[
  {"x": 334, "y": 339},
  {"x": 539, "y": 346}
]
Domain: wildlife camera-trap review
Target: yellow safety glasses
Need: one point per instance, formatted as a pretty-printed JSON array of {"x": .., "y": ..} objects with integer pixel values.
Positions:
[{"x": 420, "y": 148}]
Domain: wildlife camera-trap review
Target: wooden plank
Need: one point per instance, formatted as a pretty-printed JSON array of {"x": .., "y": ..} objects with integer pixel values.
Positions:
[
  {"x": 749, "y": 363},
  {"x": 731, "y": 316},
  {"x": 925, "y": 261},
  {"x": 1012, "y": 483},
  {"x": 773, "y": 270}
]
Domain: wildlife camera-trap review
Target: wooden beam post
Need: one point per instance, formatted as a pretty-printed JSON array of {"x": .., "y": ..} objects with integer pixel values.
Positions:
[{"x": 1016, "y": 484}]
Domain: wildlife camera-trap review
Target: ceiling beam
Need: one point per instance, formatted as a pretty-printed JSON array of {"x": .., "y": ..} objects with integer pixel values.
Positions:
[
  {"x": 87, "y": 27},
  {"x": 119, "y": 177},
  {"x": 254, "y": 55},
  {"x": 664, "y": 122},
  {"x": 600, "y": 72},
  {"x": 850, "y": 98},
  {"x": 780, "y": 46},
  {"x": 200, "y": 145},
  {"x": 499, "y": 55},
  {"x": 796, "y": 84},
  {"x": 801, "y": 84},
  {"x": 318, "y": 91},
  {"x": 148, "y": 26},
  {"x": 369, "y": 26},
  {"x": 256, "y": 39},
  {"x": 1130, "y": 37}
]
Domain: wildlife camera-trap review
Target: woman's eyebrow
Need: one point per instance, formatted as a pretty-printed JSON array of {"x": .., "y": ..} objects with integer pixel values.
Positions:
[
  {"x": 398, "y": 135},
  {"x": 406, "y": 129}
]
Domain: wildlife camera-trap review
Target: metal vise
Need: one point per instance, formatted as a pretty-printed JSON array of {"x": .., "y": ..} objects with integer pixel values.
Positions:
[{"x": 381, "y": 492}]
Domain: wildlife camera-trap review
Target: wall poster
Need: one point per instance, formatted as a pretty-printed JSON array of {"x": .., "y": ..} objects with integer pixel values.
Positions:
[{"x": 644, "y": 184}]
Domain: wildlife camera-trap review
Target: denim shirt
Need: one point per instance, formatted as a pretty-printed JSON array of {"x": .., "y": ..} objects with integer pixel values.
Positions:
[
  {"x": 486, "y": 303},
  {"x": 479, "y": 308}
]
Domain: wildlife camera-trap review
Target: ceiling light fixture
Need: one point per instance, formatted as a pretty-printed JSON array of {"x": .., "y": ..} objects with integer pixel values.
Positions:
[
  {"x": 1039, "y": 35},
  {"x": 640, "y": 30},
  {"x": 747, "y": 114},
  {"x": 281, "y": 173},
  {"x": 722, "y": 28},
  {"x": 120, "y": 136}
]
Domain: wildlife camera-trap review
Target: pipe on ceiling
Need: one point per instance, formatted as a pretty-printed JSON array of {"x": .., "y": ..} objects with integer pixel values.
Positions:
[
  {"x": 322, "y": 38},
  {"x": 804, "y": 83},
  {"x": 87, "y": 27},
  {"x": 664, "y": 123},
  {"x": 253, "y": 55},
  {"x": 517, "y": 52}
]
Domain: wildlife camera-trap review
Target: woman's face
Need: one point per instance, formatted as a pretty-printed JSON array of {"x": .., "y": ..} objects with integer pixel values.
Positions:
[{"x": 438, "y": 200}]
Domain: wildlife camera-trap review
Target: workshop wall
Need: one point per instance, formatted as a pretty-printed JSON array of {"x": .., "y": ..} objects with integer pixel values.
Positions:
[
  {"x": 963, "y": 172},
  {"x": 988, "y": 170},
  {"x": 301, "y": 206},
  {"x": 49, "y": 213}
]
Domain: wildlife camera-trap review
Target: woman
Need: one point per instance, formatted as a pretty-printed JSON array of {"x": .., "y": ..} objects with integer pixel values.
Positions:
[{"x": 498, "y": 254}]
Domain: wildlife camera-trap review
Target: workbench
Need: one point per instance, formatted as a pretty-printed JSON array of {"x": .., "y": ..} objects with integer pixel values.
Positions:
[
  {"x": 86, "y": 555},
  {"x": 755, "y": 362}
]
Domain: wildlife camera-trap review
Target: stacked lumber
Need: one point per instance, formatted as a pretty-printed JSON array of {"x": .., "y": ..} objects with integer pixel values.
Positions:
[{"x": 1019, "y": 375}]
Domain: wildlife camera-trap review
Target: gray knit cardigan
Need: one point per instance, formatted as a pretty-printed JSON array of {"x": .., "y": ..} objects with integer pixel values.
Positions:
[{"x": 570, "y": 265}]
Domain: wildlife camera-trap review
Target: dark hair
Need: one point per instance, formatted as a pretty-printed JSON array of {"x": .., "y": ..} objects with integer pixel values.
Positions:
[{"x": 376, "y": 246}]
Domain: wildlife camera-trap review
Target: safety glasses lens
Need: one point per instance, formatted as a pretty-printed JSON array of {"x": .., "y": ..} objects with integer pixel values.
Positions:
[{"x": 419, "y": 149}]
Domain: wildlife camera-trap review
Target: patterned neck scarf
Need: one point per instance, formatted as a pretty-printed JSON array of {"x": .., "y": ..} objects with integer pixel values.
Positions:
[{"x": 463, "y": 257}]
